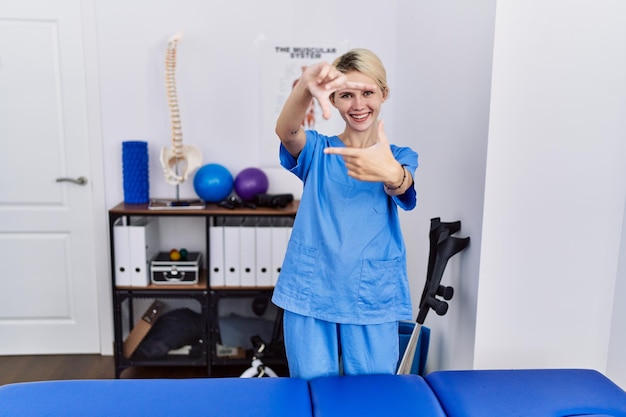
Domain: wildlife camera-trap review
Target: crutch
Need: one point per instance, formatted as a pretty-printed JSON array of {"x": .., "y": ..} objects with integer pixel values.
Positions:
[{"x": 443, "y": 246}]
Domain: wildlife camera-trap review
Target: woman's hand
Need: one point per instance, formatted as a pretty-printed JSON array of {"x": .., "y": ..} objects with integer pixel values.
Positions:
[
  {"x": 318, "y": 81},
  {"x": 322, "y": 79},
  {"x": 375, "y": 163}
]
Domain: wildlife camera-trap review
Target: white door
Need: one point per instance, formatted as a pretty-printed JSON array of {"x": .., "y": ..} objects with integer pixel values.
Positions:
[{"x": 48, "y": 297}]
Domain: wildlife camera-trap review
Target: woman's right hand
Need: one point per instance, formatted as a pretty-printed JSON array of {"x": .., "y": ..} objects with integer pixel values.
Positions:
[
  {"x": 322, "y": 79},
  {"x": 319, "y": 81}
]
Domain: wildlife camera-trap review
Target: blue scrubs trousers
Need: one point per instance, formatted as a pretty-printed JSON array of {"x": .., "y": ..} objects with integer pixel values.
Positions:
[{"x": 319, "y": 348}]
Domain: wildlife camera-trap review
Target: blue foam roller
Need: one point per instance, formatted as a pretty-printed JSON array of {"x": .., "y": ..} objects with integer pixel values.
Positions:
[{"x": 135, "y": 171}]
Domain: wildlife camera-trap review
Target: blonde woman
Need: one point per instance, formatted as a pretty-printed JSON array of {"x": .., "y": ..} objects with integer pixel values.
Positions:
[{"x": 343, "y": 284}]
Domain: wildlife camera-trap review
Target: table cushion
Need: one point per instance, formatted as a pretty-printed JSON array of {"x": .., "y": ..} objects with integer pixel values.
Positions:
[
  {"x": 543, "y": 392},
  {"x": 373, "y": 395},
  {"x": 206, "y": 397}
]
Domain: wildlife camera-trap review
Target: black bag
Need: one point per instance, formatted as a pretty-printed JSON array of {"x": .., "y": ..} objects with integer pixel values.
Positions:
[{"x": 172, "y": 330}]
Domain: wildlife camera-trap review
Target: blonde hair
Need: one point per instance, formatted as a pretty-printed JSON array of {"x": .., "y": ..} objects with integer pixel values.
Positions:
[{"x": 366, "y": 62}]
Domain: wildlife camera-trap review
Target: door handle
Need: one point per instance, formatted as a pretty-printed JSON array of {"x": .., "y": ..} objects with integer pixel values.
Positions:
[{"x": 80, "y": 180}]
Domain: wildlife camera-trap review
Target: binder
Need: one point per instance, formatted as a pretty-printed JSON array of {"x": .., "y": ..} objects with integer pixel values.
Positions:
[
  {"x": 281, "y": 231},
  {"x": 143, "y": 237},
  {"x": 121, "y": 252},
  {"x": 263, "y": 253},
  {"x": 247, "y": 252},
  {"x": 231, "y": 252},
  {"x": 216, "y": 255}
]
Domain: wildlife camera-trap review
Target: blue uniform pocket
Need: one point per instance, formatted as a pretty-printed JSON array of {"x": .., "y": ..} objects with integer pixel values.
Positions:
[{"x": 377, "y": 289}]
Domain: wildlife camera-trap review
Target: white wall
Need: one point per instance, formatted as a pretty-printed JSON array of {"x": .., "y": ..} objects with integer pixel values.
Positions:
[
  {"x": 218, "y": 74},
  {"x": 616, "y": 365},
  {"x": 555, "y": 187},
  {"x": 444, "y": 73}
]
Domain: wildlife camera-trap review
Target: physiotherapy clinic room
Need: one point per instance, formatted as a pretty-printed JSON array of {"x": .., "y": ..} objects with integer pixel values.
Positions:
[{"x": 515, "y": 108}]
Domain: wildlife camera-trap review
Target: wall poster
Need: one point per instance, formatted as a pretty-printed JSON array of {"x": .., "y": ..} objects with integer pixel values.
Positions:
[{"x": 281, "y": 68}]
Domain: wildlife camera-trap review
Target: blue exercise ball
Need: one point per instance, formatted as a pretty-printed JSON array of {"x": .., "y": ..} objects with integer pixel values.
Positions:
[
  {"x": 250, "y": 182},
  {"x": 213, "y": 183}
]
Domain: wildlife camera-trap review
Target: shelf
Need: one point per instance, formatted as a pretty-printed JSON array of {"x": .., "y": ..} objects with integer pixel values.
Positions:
[
  {"x": 124, "y": 209},
  {"x": 218, "y": 361},
  {"x": 128, "y": 301},
  {"x": 169, "y": 360},
  {"x": 247, "y": 288},
  {"x": 201, "y": 285}
]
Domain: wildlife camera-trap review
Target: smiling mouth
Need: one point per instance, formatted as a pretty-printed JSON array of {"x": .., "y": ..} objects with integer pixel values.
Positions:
[{"x": 359, "y": 117}]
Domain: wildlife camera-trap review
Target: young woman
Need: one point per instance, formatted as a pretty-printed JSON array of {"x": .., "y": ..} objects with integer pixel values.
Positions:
[{"x": 343, "y": 284}]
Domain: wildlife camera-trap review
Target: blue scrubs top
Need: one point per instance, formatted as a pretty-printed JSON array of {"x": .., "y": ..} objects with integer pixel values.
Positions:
[{"x": 346, "y": 260}]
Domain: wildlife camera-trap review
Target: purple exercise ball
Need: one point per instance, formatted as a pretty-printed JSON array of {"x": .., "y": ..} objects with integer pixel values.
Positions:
[{"x": 250, "y": 182}]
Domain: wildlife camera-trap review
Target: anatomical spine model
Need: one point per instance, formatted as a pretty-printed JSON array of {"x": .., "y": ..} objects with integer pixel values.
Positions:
[{"x": 181, "y": 160}]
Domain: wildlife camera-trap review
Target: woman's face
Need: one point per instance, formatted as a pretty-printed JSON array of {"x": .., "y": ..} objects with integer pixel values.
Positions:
[{"x": 359, "y": 108}]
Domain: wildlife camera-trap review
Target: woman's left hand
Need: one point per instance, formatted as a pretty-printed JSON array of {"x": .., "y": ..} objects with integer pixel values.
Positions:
[{"x": 375, "y": 163}]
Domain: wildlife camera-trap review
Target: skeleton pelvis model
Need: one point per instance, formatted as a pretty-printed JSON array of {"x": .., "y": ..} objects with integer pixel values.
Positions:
[{"x": 180, "y": 160}]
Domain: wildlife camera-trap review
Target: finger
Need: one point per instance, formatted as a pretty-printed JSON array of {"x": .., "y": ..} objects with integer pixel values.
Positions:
[
  {"x": 329, "y": 76},
  {"x": 341, "y": 151},
  {"x": 324, "y": 102},
  {"x": 321, "y": 76},
  {"x": 382, "y": 136},
  {"x": 333, "y": 151},
  {"x": 360, "y": 86},
  {"x": 337, "y": 82},
  {"x": 326, "y": 108}
]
